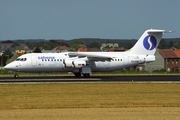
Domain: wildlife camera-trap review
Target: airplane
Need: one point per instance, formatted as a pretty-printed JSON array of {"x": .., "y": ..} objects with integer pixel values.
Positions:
[{"x": 83, "y": 63}]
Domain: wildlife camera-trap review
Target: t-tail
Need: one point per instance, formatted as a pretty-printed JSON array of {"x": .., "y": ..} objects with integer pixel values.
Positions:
[{"x": 148, "y": 42}]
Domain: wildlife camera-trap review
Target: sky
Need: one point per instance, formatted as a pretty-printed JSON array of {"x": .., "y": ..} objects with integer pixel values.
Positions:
[{"x": 72, "y": 19}]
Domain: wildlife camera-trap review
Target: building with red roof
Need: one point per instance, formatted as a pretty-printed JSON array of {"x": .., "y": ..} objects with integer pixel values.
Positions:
[
  {"x": 177, "y": 52},
  {"x": 82, "y": 50},
  {"x": 62, "y": 48},
  {"x": 168, "y": 53},
  {"x": 168, "y": 59},
  {"x": 171, "y": 60}
]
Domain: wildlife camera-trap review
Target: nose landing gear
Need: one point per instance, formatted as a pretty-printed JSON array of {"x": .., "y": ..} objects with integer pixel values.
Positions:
[{"x": 16, "y": 75}]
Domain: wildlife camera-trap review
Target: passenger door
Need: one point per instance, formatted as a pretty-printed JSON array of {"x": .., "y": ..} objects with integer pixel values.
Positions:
[{"x": 33, "y": 60}]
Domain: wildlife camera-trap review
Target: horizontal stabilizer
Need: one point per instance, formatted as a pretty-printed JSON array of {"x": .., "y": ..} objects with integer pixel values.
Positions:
[{"x": 158, "y": 31}]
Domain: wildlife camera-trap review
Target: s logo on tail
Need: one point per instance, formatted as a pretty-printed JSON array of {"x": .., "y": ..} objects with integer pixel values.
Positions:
[{"x": 150, "y": 42}]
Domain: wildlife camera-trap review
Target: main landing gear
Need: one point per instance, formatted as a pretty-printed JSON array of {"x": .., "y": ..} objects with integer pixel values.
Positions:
[
  {"x": 84, "y": 75},
  {"x": 85, "y": 71},
  {"x": 77, "y": 74}
]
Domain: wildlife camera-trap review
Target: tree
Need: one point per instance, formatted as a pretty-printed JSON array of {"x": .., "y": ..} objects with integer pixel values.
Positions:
[
  {"x": 64, "y": 43},
  {"x": 37, "y": 50},
  {"x": 171, "y": 43},
  {"x": 76, "y": 45},
  {"x": 176, "y": 45},
  {"x": 5, "y": 56},
  {"x": 128, "y": 46},
  {"x": 15, "y": 44},
  {"x": 76, "y": 42},
  {"x": 94, "y": 45},
  {"x": 162, "y": 45}
]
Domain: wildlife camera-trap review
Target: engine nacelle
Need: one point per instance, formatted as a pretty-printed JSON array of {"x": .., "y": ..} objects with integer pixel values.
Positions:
[
  {"x": 68, "y": 63},
  {"x": 74, "y": 63},
  {"x": 79, "y": 63}
]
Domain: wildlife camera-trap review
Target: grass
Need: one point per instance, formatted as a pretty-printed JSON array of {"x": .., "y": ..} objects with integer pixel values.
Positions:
[
  {"x": 90, "y": 101},
  {"x": 141, "y": 113},
  {"x": 89, "y": 95},
  {"x": 5, "y": 73}
]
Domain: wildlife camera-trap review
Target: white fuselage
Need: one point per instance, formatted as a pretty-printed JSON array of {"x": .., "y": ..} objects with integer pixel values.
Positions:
[{"x": 59, "y": 62}]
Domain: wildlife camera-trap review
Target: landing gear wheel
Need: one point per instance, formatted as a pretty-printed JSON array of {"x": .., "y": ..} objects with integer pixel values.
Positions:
[
  {"x": 77, "y": 74},
  {"x": 16, "y": 76},
  {"x": 86, "y": 75}
]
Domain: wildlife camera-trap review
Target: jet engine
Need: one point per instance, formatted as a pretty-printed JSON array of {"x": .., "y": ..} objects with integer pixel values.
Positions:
[
  {"x": 68, "y": 63},
  {"x": 75, "y": 63},
  {"x": 79, "y": 63}
]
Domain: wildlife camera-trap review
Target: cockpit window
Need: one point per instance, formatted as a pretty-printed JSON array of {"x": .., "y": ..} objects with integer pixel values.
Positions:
[
  {"x": 17, "y": 59},
  {"x": 21, "y": 59}
]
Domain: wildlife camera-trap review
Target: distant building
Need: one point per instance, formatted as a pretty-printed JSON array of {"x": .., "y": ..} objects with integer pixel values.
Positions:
[
  {"x": 156, "y": 65},
  {"x": 177, "y": 52},
  {"x": 19, "y": 49},
  {"x": 137, "y": 68},
  {"x": 50, "y": 51},
  {"x": 167, "y": 59},
  {"x": 110, "y": 45},
  {"x": 94, "y": 50},
  {"x": 171, "y": 60},
  {"x": 25, "y": 46},
  {"x": 83, "y": 48},
  {"x": 107, "y": 46},
  {"x": 62, "y": 48},
  {"x": 5, "y": 46}
]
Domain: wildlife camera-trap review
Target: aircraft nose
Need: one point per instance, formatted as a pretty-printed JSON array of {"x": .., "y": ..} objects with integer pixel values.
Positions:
[{"x": 9, "y": 66}]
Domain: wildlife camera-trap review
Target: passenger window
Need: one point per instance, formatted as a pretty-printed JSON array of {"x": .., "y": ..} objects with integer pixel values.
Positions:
[
  {"x": 54, "y": 59},
  {"x": 21, "y": 59},
  {"x": 42, "y": 60},
  {"x": 57, "y": 59},
  {"x": 60, "y": 59},
  {"x": 48, "y": 59},
  {"x": 51, "y": 59}
]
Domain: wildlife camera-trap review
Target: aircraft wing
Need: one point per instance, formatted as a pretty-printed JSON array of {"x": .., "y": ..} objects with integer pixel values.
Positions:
[{"x": 91, "y": 57}]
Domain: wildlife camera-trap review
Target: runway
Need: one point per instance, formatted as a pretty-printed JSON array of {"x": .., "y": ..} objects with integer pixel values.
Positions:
[{"x": 70, "y": 79}]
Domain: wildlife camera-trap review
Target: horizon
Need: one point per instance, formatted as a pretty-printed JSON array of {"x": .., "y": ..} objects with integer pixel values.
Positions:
[{"x": 79, "y": 39}]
